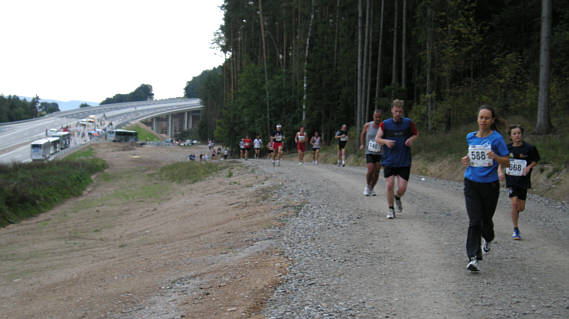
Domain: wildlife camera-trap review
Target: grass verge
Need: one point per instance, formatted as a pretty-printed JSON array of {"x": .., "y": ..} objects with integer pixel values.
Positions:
[
  {"x": 29, "y": 189},
  {"x": 143, "y": 135},
  {"x": 189, "y": 172}
]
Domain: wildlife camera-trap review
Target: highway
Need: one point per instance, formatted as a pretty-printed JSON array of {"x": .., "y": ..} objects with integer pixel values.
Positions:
[{"x": 15, "y": 137}]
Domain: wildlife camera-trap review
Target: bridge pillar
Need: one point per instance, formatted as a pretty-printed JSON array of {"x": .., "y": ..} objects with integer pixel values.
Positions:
[
  {"x": 153, "y": 124},
  {"x": 170, "y": 125},
  {"x": 185, "y": 121},
  {"x": 191, "y": 115}
]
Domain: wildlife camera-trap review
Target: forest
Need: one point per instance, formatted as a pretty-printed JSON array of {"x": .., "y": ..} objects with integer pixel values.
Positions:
[
  {"x": 141, "y": 93},
  {"x": 324, "y": 63},
  {"x": 14, "y": 108}
]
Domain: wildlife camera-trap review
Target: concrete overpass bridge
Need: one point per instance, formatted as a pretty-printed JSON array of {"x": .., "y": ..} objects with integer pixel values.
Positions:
[
  {"x": 172, "y": 122},
  {"x": 168, "y": 116}
]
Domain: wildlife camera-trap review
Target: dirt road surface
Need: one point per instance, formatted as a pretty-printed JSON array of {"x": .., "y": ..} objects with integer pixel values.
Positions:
[{"x": 277, "y": 242}]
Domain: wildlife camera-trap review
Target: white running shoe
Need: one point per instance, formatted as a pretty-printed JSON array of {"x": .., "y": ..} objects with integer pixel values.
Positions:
[
  {"x": 274, "y": 163},
  {"x": 473, "y": 265},
  {"x": 366, "y": 191},
  {"x": 372, "y": 192},
  {"x": 390, "y": 213},
  {"x": 279, "y": 163}
]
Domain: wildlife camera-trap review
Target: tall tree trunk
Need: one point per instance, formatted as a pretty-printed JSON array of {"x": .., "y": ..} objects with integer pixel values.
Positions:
[
  {"x": 394, "y": 65},
  {"x": 336, "y": 35},
  {"x": 359, "y": 85},
  {"x": 403, "y": 45},
  {"x": 265, "y": 63},
  {"x": 305, "y": 85},
  {"x": 368, "y": 62},
  {"x": 429, "y": 58},
  {"x": 364, "y": 65},
  {"x": 378, "y": 74},
  {"x": 543, "y": 125}
]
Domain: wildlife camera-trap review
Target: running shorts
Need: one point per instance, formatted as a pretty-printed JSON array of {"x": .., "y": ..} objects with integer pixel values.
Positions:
[
  {"x": 519, "y": 192},
  {"x": 341, "y": 145},
  {"x": 301, "y": 147},
  {"x": 314, "y": 149},
  {"x": 402, "y": 172},
  {"x": 373, "y": 158},
  {"x": 276, "y": 145}
]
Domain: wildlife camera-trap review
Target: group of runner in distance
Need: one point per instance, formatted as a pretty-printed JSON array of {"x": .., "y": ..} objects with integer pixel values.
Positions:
[{"x": 388, "y": 144}]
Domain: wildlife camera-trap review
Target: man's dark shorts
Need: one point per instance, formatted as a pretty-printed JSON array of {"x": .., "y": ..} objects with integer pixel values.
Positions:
[
  {"x": 341, "y": 145},
  {"x": 402, "y": 172},
  {"x": 373, "y": 158},
  {"x": 519, "y": 192}
]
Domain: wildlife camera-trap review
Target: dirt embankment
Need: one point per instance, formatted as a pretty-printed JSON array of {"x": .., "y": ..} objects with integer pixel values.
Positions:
[
  {"x": 136, "y": 246},
  {"x": 547, "y": 180}
]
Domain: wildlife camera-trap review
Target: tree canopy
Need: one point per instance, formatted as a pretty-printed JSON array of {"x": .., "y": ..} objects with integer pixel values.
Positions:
[
  {"x": 444, "y": 58},
  {"x": 12, "y": 108},
  {"x": 142, "y": 93}
]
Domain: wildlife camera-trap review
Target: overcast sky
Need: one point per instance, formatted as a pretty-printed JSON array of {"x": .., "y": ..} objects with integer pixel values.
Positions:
[{"x": 91, "y": 50}]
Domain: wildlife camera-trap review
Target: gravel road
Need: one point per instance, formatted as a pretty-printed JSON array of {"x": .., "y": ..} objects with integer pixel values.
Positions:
[{"x": 349, "y": 261}]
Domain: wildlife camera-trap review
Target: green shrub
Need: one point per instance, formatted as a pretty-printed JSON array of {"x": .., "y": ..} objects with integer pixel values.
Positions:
[{"x": 29, "y": 189}]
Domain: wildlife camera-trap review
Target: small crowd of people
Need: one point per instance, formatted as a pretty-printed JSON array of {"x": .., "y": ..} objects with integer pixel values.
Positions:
[
  {"x": 387, "y": 143},
  {"x": 216, "y": 153}
]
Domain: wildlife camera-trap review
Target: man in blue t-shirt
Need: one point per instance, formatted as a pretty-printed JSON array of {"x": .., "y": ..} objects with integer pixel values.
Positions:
[{"x": 397, "y": 134}]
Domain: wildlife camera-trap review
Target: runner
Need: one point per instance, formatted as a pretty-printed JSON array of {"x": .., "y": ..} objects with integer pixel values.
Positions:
[
  {"x": 342, "y": 137},
  {"x": 277, "y": 138},
  {"x": 315, "y": 141},
  {"x": 300, "y": 141},
  {"x": 523, "y": 158},
  {"x": 247, "y": 146},
  {"x": 257, "y": 145},
  {"x": 486, "y": 149},
  {"x": 398, "y": 135},
  {"x": 373, "y": 152},
  {"x": 241, "y": 149},
  {"x": 270, "y": 149}
]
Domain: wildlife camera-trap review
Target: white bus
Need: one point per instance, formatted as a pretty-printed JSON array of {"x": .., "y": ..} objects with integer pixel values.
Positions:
[
  {"x": 41, "y": 149},
  {"x": 120, "y": 135},
  {"x": 64, "y": 139}
]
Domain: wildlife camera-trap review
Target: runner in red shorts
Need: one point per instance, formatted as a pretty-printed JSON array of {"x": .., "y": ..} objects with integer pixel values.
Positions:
[
  {"x": 247, "y": 145},
  {"x": 300, "y": 140},
  {"x": 277, "y": 138}
]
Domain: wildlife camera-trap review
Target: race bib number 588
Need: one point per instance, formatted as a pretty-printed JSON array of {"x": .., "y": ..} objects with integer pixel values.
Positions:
[{"x": 478, "y": 155}]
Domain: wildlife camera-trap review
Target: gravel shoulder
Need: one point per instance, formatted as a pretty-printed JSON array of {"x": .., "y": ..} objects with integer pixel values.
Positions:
[
  {"x": 348, "y": 260},
  {"x": 275, "y": 242}
]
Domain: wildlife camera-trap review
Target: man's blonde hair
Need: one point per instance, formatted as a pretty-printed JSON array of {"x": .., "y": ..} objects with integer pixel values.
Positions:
[{"x": 398, "y": 103}]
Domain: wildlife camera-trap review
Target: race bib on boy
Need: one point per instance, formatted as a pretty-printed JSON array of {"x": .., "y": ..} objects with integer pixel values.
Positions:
[
  {"x": 343, "y": 139},
  {"x": 373, "y": 146},
  {"x": 278, "y": 138},
  {"x": 479, "y": 155},
  {"x": 517, "y": 167}
]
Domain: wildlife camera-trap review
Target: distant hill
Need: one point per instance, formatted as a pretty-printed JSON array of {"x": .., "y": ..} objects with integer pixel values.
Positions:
[{"x": 64, "y": 105}]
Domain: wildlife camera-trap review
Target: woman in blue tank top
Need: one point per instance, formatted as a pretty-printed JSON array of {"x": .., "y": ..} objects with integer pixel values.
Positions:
[{"x": 486, "y": 149}]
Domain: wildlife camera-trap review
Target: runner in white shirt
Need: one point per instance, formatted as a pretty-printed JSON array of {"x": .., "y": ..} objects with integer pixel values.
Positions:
[
  {"x": 315, "y": 141},
  {"x": 257, "y": 146}
]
